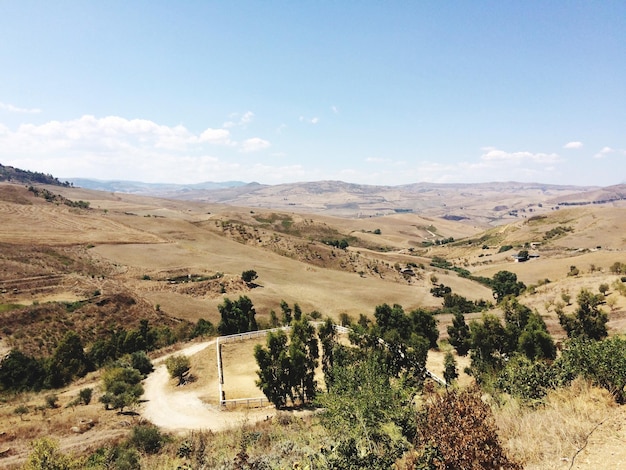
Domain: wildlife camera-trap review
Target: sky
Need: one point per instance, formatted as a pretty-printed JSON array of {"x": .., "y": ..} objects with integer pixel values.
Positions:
[{"x": 370, "y": 92}]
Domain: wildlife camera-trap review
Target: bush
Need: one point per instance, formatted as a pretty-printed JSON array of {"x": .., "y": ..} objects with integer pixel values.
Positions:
[
  {"x": 85, "y": 395},
  {"x": 457, "y": 430},
  {"x": 178, "y": 367},
  {"x": 147, "y": 439},
  {"x": 602, "y": 362}
]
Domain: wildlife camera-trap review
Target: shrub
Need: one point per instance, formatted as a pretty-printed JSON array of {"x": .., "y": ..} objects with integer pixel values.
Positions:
[
  {"x": 147, "y": 439},
  {"x": 85, "y": 395},
  {"x": 457, "y": 430}
]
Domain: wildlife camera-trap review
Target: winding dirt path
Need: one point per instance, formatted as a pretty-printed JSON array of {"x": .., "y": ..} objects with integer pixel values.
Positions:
[{"x": 180, "y": 410}]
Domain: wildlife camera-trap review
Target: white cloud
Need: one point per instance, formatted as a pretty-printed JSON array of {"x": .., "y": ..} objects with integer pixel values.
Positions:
[
  {"x": 573, "y": 145},
  {"x": 494, "y": 155},
  {"x": 215, "y": 136},
  {"x": 254, "y": 145},
  {"x": 334, "y": 109},
  {"x": 14, "y": 109},
  {"x": 114, "y": 147},
  {"x": 606, "y": 151},
  {"x": 313, "y": 120}
]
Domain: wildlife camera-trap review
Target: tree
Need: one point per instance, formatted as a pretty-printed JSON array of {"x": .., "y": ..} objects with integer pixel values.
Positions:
[
  {"x": 392, "y": 318},
  {"x": 68, "y": 361},
  {"x": 304, "y": 355},
  {"x": 489, "y": 343},
  {"x": 534, "y": 341},
  {"x": 122, "y": 386},
  {"x": 328, "y": 338},
  {"x": 603, "y": 288},
  {"x": 459, "y": 334},
  {"x": 21, "y": 410},
  {"x": 368, "y": 417},
  {"x": 505, "y": 283},
  {"x": 588, "y": 321},
  {"x": 178, "y": 367},
  {"x": 287, "y": 313},
  {"x": 274, "y": 368},
  {"x": 237, "y": 316},
  {"x": 523, "y": 255},
  {"x": 20, "y": 372},
  {"x": 139, "y": 360},
  {"x": 425, "y": 324},
  {"x": 249, "y": 276},
  {"x": 450, "y": 372}
]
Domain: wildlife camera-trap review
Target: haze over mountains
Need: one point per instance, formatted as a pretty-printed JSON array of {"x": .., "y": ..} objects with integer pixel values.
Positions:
[{"x": 484, "y": 203}]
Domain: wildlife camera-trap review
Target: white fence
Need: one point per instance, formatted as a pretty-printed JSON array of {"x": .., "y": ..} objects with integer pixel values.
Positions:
[{"x": 262, "y": 401}]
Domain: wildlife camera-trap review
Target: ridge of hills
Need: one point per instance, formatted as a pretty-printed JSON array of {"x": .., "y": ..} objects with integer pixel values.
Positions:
[{"x": 481, "y": 203}]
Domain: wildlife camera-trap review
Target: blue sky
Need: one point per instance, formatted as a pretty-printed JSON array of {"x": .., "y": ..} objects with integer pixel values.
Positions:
[{"x": 367, "y": 92}]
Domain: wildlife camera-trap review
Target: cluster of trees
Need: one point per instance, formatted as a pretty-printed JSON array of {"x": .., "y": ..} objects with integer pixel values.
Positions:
[
  {"x": 71, "y": 360},
  {"x": 237, "y": 316},
  {"x": 519, "y": 355},
  {"x": 287, "y": 365},
  {"x": 342, "y": 244},
  {"x": 20, "y": 372}
]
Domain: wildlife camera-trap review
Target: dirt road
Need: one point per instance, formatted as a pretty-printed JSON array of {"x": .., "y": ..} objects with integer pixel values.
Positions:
[{"x": 181, "y": 410}]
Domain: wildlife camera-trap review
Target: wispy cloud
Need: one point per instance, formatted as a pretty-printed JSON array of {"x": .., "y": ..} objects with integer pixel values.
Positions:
[
  {"x": 573, "y": 145},
  {"x": 313, "y": 120},
  {"x": 15, "y": 109},
  {"x": 239, "y": 120},
  {"x": 604, "y": 152},
  {"x": 334, "y": 109},
  {"x": 495, "y": 155}
]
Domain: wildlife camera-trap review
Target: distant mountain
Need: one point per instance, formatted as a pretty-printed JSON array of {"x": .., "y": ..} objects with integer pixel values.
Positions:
[
  {"x": 150, "y": 189},
  {"x": 15, "y": 175}
]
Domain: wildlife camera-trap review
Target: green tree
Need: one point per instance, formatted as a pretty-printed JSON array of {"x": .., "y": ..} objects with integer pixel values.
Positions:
[
  {"x": 459, "y": 334},
  {"x": 139, "y": 360},
  {"x": 274, "y": 368},
  {"x": 603, "y": 288},
  {"x": 304, "y": 355},
  {"x": 589, "y": 320},
  {"x": 237, "y": 316},
  {"x": 505, "y": 283},
  {"x": 68, "y": 361},
  {"x": 392, "y": 318},
  {"x": 19, "y": 372},
  {"x": 122, "y": 387},
  {"x": 287, "y": 313},
  {"x": 450, "y": 372},
  {"x": 328, "y": 338},
  {"x": 534, "y": 341},
  {"x": 425, "y": 324},
  {"x": 489, "y": 344},
  {"x": 178, "y": 367},
  {"x": 368, "y": 417},
  {"x": 249, "y": 276}
]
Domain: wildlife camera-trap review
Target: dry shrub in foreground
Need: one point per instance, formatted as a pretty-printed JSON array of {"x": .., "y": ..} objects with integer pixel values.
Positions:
[
  {"x": 458, "y": 431},
  {"x": 555, "y": 430}
]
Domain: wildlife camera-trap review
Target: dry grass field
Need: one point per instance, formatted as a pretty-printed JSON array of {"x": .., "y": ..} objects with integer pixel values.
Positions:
[{"x": 127, "y": 249}]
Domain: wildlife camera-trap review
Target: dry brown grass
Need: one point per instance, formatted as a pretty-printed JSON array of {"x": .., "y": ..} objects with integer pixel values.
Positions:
[{"x": 550, "y": 435}]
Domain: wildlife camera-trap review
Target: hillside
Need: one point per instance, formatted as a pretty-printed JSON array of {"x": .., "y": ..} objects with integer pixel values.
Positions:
[
  {"x": 115, "y": 259},
  {"x": 477, "y": 204}
]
